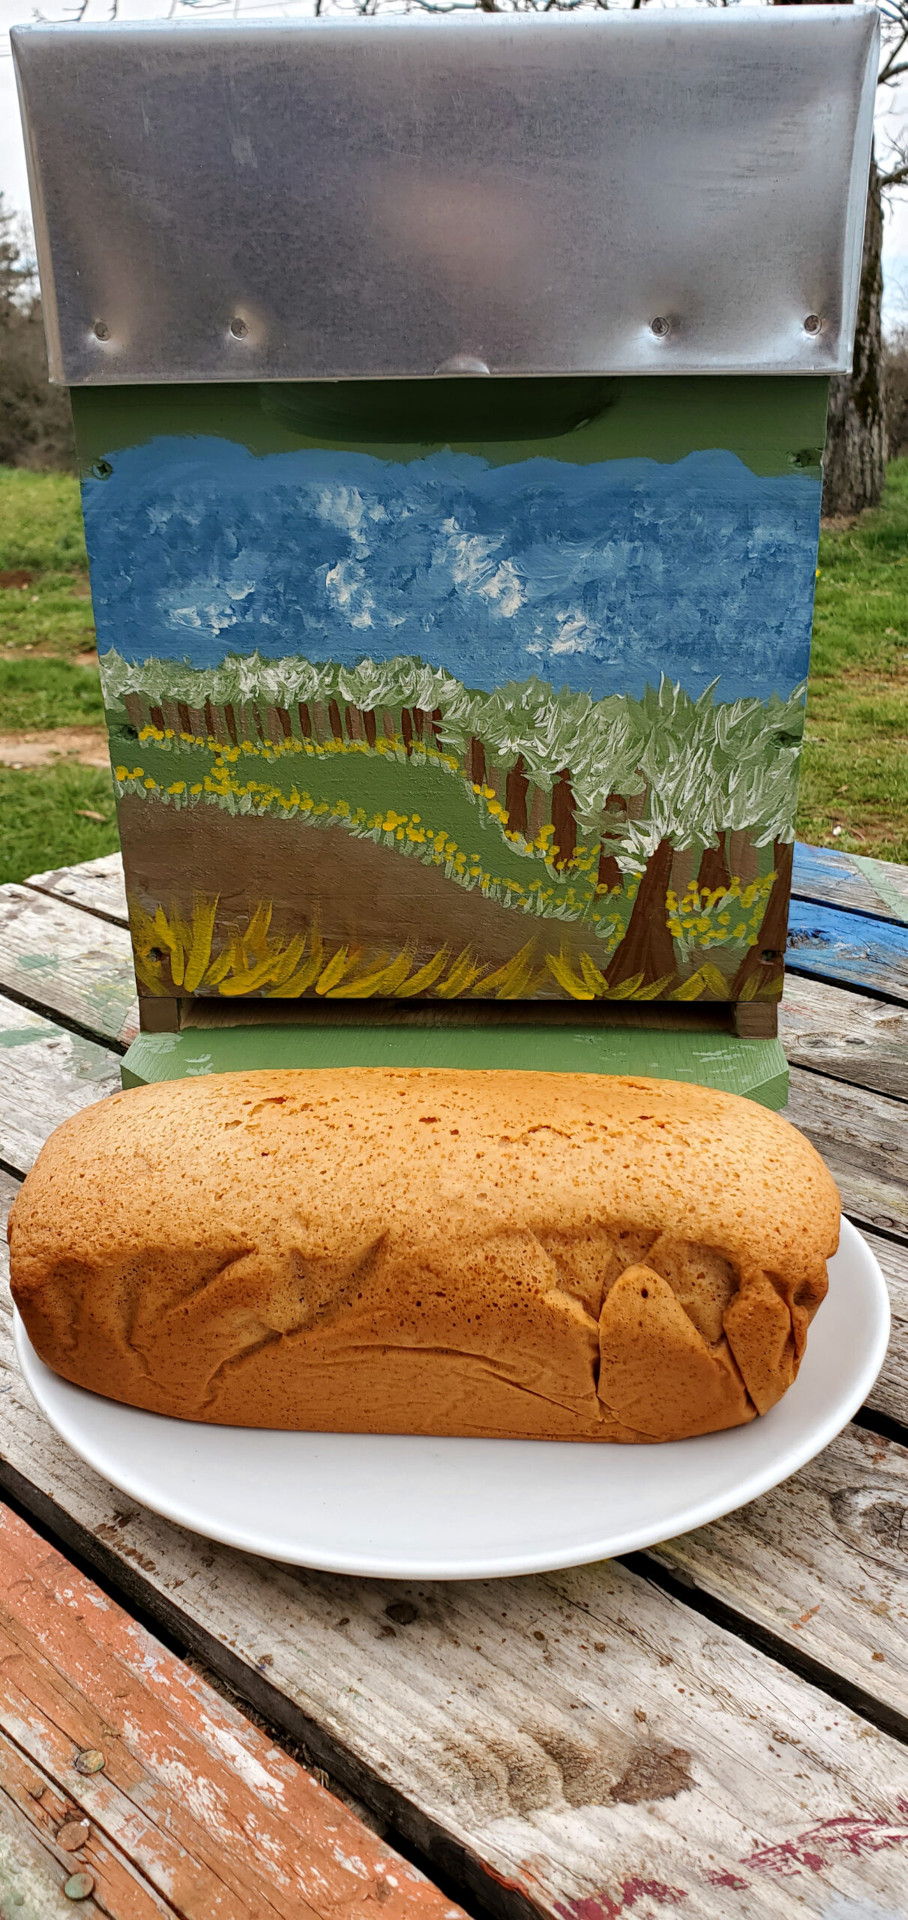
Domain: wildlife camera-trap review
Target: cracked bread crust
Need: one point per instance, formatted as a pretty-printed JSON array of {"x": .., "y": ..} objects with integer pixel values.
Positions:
[{"x": 521, "y": 1255}]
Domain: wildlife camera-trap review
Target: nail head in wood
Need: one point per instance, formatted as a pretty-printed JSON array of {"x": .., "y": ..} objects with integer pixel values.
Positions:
[
  {"x": 79, "y": 1886},
  {"x": 73, "y": 1835}
]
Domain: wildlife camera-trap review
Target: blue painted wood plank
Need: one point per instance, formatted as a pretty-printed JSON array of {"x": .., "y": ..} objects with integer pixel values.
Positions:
[
  {"x": 847, "y": 880},
  {"x": 849, "y": 948}
]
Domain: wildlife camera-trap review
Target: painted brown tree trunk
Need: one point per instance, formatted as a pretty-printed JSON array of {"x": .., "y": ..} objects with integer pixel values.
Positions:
[
  {"x": 157, "y": 718},
  {"x": 613, "y": 822},
  {"x": 184, "y": 716},
  {"x": 334, "y": 715},
  {"x": 743, "y": 857},
  {"x": 714, "y": 868},
  {"x": 134, "y": 711},
  {"x": 419, "y": 722},
  {"x": 538, "y": 811},
  {"x": 305, "y": 719},
  {"x": 370, "y": 727},
  {"x": 637, "y": 804},
  {"x": 764, "y": 960},
  {"x": 284, "y": 722},
  {"x": 436, "y": 726},
  {"x": 517, "y": 787},
  {"x": 564, "y": 819},
  {"x": 683, "y": 870},
  {"x": 388, "y": 726},
  {"x": 354, "y": 721},
  {"x": 476, "y": 763},
  {"x": 210, "y": 722},
  {"x": 647, "y": 947},
  {"x": 230, "y": 724},
  {"x": 406, "y": 727}
]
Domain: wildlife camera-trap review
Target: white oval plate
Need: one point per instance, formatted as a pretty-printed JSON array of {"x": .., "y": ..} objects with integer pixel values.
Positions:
[{"x": 407, "y": 1508}]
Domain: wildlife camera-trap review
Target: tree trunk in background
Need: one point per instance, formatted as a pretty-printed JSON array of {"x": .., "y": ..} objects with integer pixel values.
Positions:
[
  {"x": 714, "y": 868},
  {"x": 517, "y": 787},
  {"x": 854, "y": 467},
  {"x": 564, "y": 819}
]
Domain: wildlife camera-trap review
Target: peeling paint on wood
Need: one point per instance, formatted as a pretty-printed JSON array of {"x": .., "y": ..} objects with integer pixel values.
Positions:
[
  {"x": 96, "y": 885},
  {"x": 191, "y": 1809},
  {"x": 48, "y": 1073},
  {"x": 847, "y": 947},
  {"x": 849, "y": 880},
  {"x": 68, "y": 962}
]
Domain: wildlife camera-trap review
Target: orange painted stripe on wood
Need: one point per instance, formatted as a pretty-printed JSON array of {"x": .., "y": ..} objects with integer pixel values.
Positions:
[
  {"x": 194, "y": 1812},
  {"x": 41, "y": 1810}
]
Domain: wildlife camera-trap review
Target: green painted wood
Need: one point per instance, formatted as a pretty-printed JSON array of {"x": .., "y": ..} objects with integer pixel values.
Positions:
[
  {"x": 774, "y": 425},
  {"x": 755, "y": 1068}
]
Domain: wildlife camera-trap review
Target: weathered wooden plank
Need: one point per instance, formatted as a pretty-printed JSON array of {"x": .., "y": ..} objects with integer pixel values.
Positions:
[
  {"x": 890, "y": 1395},
  {"x": 845, "y": 1035},
  {"x": 820, "y": 1562},
  {"x": 185, "y": 1782},
  {"x": 861, "y": 1136},
  {"x": 849, "y": 880},
  {"x": 68, "y": 962},
  {"x": 47, "y": 1074},
  {"x": 41, "y": 1808},
  {"x": 31, "y": 1876},
  {"x": 848, "y": 947},
  {"x": 573, "y": 1746},
  {"x": 96, "y": 885}
]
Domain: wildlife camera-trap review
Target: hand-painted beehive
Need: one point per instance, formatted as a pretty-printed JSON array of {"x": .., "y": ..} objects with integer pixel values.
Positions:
[{"x": 451, "y": 403}]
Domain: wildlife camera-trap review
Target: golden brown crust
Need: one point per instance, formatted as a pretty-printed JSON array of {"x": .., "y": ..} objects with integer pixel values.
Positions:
[{"x": 554, "y": 1256}]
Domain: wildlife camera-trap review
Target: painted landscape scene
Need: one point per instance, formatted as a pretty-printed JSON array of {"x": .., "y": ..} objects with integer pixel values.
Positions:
[{"x": 448, "y": 730}]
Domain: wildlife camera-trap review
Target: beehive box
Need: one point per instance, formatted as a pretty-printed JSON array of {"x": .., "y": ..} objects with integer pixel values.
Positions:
[{"x": 451, "y": 403}]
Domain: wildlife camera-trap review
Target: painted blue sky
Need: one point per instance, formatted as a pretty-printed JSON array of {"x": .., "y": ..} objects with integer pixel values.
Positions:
[{"x": 598, "y": 577}]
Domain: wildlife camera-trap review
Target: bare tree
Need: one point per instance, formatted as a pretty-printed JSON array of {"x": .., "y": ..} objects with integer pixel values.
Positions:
[
  {"x": 854, "y": 467},
  {"x": 35, "y": 422}
]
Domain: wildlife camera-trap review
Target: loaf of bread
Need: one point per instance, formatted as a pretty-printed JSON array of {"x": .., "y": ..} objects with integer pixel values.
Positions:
[{"x": 530, "y": 1255}]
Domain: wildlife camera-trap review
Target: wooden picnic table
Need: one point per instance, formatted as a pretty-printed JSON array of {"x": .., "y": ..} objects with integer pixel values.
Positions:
[{"x": 715, "y": 1726}]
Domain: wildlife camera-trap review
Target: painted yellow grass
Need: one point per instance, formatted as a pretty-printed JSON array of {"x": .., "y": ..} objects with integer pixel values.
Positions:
[
  {"x": 173, "y": 952},
  {"x": 176, "y": 953}
]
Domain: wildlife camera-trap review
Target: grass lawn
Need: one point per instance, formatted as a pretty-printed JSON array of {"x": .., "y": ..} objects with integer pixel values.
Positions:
[{"x": 855, "y": 768}]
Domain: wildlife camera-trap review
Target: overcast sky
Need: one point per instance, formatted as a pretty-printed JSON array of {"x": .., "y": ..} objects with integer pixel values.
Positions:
[{"x": 893, "y": 116}]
